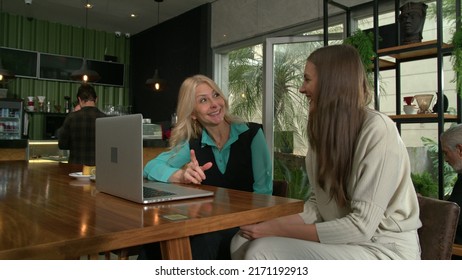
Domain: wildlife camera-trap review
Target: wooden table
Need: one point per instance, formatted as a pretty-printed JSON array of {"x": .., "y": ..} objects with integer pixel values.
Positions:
[{"x": 46, "y": 214}]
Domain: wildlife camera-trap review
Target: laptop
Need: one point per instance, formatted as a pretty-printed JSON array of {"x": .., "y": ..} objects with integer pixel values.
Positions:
[{"x": 119, "y": 164}]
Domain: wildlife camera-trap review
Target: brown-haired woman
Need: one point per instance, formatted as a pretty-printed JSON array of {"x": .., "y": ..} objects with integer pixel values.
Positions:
[{"x": 363, "y": 203}]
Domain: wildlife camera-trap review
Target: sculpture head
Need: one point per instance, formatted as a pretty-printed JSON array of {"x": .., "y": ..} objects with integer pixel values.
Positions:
[{"x": 412, "y": 19}]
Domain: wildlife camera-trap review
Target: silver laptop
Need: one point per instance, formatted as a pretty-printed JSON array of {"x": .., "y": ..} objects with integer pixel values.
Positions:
[{"x": 119, "y": 164}]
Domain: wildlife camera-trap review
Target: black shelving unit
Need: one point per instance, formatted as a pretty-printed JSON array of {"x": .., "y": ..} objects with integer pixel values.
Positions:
[{"x": 402, "y": 54}]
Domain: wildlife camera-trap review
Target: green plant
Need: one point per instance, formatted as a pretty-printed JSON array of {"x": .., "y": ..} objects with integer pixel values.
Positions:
[
  {"x": 284, "y": 141},
  {"x": 364, "y": 43},
  {"x": 448, "y": 10},
  {"x": 425, "y": 184},
  {"x": 296, "y": 178},
  {"x": 456, "y": 58},
  {"x": 449, "y": 15},
  {"x": 450, "y": 176}
]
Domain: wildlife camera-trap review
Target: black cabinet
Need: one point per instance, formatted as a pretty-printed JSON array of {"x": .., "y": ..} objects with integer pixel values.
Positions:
[{"x": 58, "y": 67}]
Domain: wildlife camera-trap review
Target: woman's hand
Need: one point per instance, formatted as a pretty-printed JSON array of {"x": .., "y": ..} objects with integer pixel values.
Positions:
[
  {"x": 255, "y": 231},
  {"x": 194, "y": 173},
  {"x": 291, "y": 226}
]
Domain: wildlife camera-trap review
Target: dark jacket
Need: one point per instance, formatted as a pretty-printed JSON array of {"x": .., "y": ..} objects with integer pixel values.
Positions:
[
  {"x": 78, "y": 135},
  {"x": 456, "y": 196}
]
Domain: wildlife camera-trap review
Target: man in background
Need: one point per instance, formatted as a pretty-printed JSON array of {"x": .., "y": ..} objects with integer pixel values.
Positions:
[
  {"x": 78, "y": 131},
  {"x": 451, "y": 143}
]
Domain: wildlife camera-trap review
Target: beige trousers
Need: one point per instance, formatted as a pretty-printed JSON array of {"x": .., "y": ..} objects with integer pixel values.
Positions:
[{"x": 397, "y": 246}]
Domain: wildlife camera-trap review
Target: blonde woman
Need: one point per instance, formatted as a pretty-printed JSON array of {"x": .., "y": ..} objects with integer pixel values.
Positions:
[{"x": 210, "y": 146}]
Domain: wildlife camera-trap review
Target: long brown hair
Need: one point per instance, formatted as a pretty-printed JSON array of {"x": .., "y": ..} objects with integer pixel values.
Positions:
[{"x": 339, "y": 111}]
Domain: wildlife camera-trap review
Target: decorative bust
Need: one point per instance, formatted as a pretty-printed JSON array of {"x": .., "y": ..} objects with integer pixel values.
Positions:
[{"x": 412, "y": 19}]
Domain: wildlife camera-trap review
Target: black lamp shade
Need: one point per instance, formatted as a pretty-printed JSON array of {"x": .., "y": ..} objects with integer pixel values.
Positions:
[
  {"x": 156, "y": 83},
  {"x": 84, "y": 74},
  {"x": 5, "y": 74}
]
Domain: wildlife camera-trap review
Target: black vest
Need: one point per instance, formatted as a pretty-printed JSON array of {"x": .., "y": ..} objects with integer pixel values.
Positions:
[{"x": 238, "y": 174}]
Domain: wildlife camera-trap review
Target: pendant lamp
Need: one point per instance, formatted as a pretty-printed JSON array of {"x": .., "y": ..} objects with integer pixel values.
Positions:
[
  {"x": 5, "y": 74},
  {"x": 84, "y": 74},
  {"x": 156, "y": 83}
]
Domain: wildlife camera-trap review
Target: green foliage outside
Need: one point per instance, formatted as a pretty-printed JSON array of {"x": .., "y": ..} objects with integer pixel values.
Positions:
[
  {"x": 449, "y": 15},
  {"x": 448, "y": 11},
  {"x": 290, "y": 107},
  {"x": 456, "y": 59},
  {"x": 426, "y": 183},
  {"x": 299, "y": 186}
]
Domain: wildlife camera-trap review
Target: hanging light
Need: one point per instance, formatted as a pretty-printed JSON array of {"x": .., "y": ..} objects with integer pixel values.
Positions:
[
  {"x": 156, "y": 83},
  {"x": 5, "y": 74},
  {"x": 84, "y": 74}
]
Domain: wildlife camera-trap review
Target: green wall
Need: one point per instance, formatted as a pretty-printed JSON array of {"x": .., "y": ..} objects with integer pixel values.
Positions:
[{"x": 47, "y": 37}]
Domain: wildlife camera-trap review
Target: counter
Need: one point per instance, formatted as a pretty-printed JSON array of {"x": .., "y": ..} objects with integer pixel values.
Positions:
[
  {"x": 148, "y": 142},
  {"x": 47, "y": 150},
  {"x": 14, "y": 149},
  {"x": 152, "y": 148},
  {"x": 14, "y": 144}
]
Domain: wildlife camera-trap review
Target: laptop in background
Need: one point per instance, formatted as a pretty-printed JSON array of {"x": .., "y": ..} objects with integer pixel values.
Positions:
[{"x": 119, "y": 164}]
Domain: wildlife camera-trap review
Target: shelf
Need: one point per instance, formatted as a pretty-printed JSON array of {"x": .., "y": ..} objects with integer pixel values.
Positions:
[
  {"x": 414, "y": 51},
  {"x": 422, "y": 118},
  {"x": 9, "y": 119},
  {"x": 409, "y": 52},
  {"x": 385, "y": 64},
  {"x": 45, "y": 113},
  {"x": 390, "y": 58}
]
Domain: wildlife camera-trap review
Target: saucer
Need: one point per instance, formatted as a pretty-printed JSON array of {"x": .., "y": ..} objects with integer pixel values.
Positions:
[
  {"x": 80, "y": 183},
  {"x": 79, "y": 176}
]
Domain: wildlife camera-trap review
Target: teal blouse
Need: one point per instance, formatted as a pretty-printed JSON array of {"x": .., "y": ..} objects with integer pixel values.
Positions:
[{"x": 167, "y": 163}]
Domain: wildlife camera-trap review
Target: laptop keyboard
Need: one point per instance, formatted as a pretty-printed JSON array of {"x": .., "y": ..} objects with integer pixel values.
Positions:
[{"x": 150, "y": 192}]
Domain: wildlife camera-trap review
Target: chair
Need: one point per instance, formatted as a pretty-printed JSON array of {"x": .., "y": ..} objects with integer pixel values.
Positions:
[
  {"x": 457, "y": 250},
  {"x": 439, "y": 223},
  {"x": 280, "y": 188},
  {"x": 123, "y": 254}
]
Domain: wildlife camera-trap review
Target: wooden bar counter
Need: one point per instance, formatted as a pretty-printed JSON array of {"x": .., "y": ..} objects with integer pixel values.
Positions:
[{"x": 46, "y": 214}]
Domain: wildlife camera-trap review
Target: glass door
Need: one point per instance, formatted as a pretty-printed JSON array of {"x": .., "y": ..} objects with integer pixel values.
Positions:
[{"x": 285, "y": 110}]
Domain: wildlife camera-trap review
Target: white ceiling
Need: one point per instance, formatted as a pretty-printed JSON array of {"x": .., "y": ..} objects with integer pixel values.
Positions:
[{"x": 106, "y": 15}]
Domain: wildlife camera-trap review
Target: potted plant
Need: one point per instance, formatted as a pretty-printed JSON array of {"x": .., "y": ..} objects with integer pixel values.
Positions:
[
  {"x": 456, "y": 58},
  {"x": 364, "y": 43},
  {"x": 425, "y": 184}
]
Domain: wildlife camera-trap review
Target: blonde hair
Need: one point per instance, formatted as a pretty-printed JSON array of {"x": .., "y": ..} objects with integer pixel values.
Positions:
[
  {"x": 187, "y": 128},
  {"x": 336, "y": 119}
]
